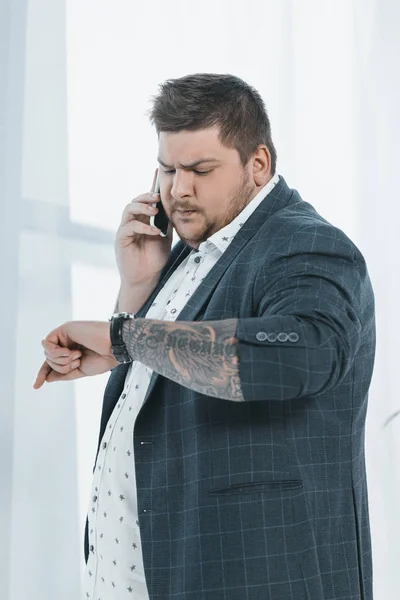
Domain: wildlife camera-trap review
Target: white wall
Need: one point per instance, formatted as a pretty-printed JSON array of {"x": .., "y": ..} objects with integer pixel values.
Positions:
[{"x": 76, "y": 78}]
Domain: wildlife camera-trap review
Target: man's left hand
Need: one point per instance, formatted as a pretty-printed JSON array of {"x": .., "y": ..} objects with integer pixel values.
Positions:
[{"x": 89, "y": 340}]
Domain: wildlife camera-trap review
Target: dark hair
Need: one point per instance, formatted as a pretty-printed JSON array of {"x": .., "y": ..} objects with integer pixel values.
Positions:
[{"x": 204, "y": 100}]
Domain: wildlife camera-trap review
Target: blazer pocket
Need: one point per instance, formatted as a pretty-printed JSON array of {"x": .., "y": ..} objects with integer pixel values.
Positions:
[{"x": 258, "y": 486}]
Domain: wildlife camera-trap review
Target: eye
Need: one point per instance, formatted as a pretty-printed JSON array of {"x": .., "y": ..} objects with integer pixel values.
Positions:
[{"x": 194, "y": 171}]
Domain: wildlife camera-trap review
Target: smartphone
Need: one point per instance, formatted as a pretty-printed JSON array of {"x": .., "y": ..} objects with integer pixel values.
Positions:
[{"x": 159, "y": 220}]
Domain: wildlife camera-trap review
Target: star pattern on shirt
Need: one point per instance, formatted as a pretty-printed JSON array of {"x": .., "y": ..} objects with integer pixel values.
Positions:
[{"x": 116, "y": 469}]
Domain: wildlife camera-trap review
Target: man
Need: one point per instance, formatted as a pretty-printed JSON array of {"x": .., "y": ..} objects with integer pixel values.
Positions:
[{"x": 231, "y": 461}]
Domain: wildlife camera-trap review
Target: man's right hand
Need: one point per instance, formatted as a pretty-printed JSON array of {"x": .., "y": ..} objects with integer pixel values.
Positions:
[{"x": 140, "y": 250}]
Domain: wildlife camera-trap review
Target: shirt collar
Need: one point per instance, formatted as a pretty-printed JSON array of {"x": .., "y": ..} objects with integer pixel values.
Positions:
[{"x": 222, "y": 238}]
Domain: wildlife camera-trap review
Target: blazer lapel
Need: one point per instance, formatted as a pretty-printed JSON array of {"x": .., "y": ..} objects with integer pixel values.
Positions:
[{"x": 276, "y": 199}]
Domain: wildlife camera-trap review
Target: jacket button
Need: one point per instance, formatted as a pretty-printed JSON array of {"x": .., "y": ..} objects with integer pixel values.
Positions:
[
  {"x": 271, "y": 337},
  {"x": 261, "y": 336},
  {"x": 293, "y": 337},
  {"x": 283, "y": 337}
]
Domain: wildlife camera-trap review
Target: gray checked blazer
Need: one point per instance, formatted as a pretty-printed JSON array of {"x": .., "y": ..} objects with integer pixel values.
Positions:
[{"x": 267, "y": 498}]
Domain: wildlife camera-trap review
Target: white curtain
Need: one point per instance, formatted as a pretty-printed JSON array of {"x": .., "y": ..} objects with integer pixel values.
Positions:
[{"x": 76, "y": 78}]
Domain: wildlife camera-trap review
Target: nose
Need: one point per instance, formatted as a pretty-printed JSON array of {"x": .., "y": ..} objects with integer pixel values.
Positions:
[{"x": 182, "y": 186}]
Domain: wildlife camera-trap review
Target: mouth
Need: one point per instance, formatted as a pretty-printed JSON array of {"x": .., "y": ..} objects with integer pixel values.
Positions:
[{"x": 186, "y": 213}]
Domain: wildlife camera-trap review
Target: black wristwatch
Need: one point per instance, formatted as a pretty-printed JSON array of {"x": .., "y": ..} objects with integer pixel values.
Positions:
[{"x": 117, "y": 344}]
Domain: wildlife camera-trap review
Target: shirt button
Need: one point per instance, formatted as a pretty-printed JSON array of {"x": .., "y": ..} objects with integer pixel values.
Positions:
[
  {"x": 91, "y": 548},
  {"x": 123, "y": 396},
  {"x": 94, "y": 498},
  {"x": 104, "y": 445}
]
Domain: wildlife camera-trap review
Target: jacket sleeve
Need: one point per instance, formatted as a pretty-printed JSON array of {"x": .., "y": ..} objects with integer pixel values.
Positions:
[{"x": 308, "y": 329}]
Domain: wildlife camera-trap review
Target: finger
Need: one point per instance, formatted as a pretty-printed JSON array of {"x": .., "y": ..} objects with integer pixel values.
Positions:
[
  {"x": 62, "y": 360},
  {"x": 74, "y": 374},
  {"x": 63, "y": 369},
  {"x": 138, "y": 208},
  {"x": 128, "y": 230},
  {"x": 57, "y": 351},
  {"x": 41, "y": 376}
]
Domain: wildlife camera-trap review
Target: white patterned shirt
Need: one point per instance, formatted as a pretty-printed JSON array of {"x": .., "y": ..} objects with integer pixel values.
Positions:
[{"x": 115, "y": 569}]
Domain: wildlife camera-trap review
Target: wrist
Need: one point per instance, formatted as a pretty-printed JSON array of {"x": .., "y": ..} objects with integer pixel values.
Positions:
[{"x": 142, "y": 285}]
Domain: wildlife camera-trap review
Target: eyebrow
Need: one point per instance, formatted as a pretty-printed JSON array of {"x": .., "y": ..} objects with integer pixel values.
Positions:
[{"x": 186, "y": 167}]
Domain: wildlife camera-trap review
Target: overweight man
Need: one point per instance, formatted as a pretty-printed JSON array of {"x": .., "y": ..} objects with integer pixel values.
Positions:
[{"x": 231, "y": 455}]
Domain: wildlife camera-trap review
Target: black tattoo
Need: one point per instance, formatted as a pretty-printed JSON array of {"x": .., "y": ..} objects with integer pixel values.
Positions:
[{"x": 201, "y": 355}]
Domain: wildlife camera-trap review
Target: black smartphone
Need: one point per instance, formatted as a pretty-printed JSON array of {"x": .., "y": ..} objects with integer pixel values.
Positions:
[{"x": 160, "y": 220}]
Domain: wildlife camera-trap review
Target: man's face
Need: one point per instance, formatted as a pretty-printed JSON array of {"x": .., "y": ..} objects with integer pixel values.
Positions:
[{"x": 217, "y": 190}]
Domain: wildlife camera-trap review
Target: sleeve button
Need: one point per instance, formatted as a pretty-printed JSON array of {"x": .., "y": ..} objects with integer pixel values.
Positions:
[{"x": 261, "y": 336}]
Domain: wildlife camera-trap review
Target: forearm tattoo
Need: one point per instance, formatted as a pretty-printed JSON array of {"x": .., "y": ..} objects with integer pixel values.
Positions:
[{"x": 201, "y": 355}]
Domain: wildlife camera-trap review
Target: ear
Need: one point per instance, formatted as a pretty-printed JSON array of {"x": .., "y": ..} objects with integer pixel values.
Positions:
[{"x": 261, "y": 165}]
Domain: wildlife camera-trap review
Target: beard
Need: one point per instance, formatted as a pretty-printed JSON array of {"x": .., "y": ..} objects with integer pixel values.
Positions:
[{"x": 201, "y": 229}]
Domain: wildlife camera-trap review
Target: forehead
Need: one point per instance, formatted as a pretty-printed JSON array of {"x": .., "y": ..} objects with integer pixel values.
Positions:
[{"x": 187, "y": 146}]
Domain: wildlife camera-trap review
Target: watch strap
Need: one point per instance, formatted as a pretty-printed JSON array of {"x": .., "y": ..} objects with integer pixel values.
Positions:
[{"x": 117, "y": 343}]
